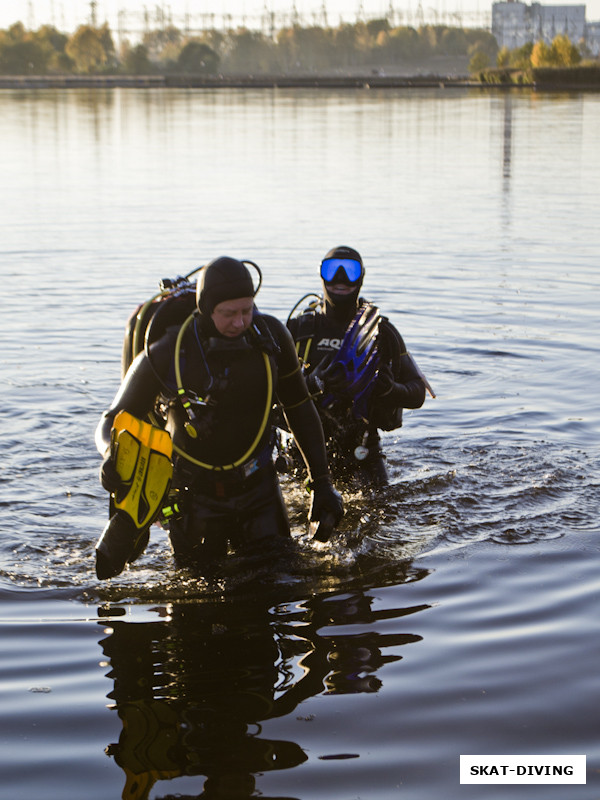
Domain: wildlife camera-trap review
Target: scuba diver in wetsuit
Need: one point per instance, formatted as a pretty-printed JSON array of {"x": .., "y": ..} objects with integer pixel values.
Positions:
[
  {"x": 354, "y": 405},
  {"x": 215, "y": 379}
]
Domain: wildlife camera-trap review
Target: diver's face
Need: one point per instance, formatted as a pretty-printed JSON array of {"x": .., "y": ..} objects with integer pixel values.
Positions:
[
  {"x": 340, "y": 288},
  {"x": 232, "y": 317}
]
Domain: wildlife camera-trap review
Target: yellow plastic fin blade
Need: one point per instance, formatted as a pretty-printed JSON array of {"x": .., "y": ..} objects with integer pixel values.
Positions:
[{"x": 142, "y": 455}]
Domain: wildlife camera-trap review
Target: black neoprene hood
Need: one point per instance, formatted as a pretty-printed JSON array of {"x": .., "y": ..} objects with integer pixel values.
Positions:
[
  {"x": 222, "y": 279},
  {"x": 343, "y": 252}
]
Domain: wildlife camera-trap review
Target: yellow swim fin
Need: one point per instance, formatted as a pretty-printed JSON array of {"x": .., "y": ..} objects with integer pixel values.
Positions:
[{"x": 142, "y": 455}]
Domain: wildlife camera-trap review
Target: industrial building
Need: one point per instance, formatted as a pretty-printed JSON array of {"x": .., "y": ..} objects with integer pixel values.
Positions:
[{"x": 515, "y": 24}]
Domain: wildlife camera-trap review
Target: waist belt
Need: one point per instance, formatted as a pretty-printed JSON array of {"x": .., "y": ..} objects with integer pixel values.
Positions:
[{"x": 231, "y": 482}]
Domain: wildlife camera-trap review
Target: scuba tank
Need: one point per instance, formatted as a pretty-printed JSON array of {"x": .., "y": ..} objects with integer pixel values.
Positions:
[
  {"x": 174, "y": 302},
  {"x": 142, "y": 451}
]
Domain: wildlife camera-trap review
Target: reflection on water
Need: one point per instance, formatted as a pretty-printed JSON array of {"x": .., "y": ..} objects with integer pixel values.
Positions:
[
  {"x": 477, "y": 216},
  {"x": 193, "y": 689},
  {"x": 507, "y": 141}
]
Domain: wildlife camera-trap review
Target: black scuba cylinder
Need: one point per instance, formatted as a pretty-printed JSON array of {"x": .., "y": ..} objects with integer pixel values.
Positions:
[{"x": 150, "y": 320}]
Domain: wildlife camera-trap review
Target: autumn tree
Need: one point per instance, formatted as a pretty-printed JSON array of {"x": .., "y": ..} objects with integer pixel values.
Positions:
[
  {"x": 92, "y": 49},
  {"x": 541, "y": 55},
  {"x": 135, "y": 61},
  {"x": 520, "y": 57},
  {"x": 249, "y": 52},
  {"x": 479, "y": 60},
  {"x": 21, "y": 53},
  {"x": 163, "y": 45},
  {"x": 305, "y": 48},
  {"x": 453, "y": 42},
  {"x": 197, "y": 58},
  {"x": 404, "y": 44},
  {"x": 480, "y": 39},
  {"x": 503, "y": 57},
  {"x": 564, "y": 52},
  {"x": 482, "y": 50}
]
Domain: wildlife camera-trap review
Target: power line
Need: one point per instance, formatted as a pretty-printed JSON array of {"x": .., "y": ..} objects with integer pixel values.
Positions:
[{"x": 130, "y": 22}]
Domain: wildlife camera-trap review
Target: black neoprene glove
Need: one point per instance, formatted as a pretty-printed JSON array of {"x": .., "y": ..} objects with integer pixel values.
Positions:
[
  {"x": 315, "y": 380},
  {"x": 325, "y": 499},
  {"x": 327, "y": 378},
  {"x": 384, "y": 382},
  {"x": 109, "y": 477}
]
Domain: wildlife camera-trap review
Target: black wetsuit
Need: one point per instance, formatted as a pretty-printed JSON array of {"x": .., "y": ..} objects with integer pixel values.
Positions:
[
  {"x": 318, "y": 333},
  {"x": 230, "y": 490}
]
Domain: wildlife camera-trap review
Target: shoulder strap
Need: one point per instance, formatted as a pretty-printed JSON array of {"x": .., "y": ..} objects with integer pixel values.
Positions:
[
  {"x": 186, "y": 403},
  {"x": 392, "y": 342},
  {"x": 305, "y": 325},
  {"x": 261, "y": 335}
]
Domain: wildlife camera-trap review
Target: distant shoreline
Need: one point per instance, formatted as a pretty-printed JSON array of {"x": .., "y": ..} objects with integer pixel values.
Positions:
[
  {"x": 228, "y": 81},
  {"x": 374, "y": 81}
]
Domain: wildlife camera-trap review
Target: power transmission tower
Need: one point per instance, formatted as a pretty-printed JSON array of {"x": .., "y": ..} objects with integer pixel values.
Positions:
[
  {"x": 391, "y": 14},
  {"x": 268, "y": 22},
  {"x": 324, "y": 14},
  {"x": 295, "y": 15},
  {"x": 420, "y": 15}
]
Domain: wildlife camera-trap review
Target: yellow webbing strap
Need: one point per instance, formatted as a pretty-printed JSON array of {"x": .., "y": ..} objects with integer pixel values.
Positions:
[{"x": 264, "y": 421}]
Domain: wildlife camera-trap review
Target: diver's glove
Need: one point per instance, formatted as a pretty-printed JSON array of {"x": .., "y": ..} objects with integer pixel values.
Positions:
[
  {"x": 327, "y": 378},
  {"x": 316, "y": 379},
  {"x": 326, "y": 508},
  {"x": 325, "y": 499},
  {"x": 384, "y": 382},
  {"x": 109, "y": 477}
]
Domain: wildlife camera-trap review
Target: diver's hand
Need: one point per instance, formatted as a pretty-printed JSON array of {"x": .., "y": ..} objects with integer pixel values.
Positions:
[
  {"x": 384, "y": 382},
  {"x": 109, "y": 477},
  {"x": 325, "y": 499},
  {"x": 316, "y": 379},
  {"x": 327, "y": 378}
]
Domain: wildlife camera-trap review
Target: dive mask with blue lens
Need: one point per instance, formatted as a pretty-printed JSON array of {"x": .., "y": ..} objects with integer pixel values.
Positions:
[{"x": 351, "y": 268}]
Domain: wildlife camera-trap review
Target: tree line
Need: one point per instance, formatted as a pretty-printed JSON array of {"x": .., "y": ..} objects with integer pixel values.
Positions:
[
  {"x": 560, "y": 63},
  {"x": 92, "y": 50},
  {"x": 560, "y": 53},
  {"x": 347, "y": 47}
]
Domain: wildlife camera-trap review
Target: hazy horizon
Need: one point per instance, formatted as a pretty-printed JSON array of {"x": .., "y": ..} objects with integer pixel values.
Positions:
[{"x": 131, "y": 15}]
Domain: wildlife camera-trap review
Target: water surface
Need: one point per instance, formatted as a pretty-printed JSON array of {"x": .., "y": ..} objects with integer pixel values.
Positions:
[{"x": 456, "y": 612}]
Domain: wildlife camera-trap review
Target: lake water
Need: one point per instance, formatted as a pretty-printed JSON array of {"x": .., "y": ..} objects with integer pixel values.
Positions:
[{"x": 457, "y": 610}]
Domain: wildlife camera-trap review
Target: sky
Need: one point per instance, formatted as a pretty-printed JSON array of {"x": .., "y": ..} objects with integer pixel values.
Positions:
[{"x": 66, "y": 15}]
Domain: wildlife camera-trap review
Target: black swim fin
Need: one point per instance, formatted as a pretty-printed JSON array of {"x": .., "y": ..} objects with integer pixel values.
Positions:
[{"x": 142, "y": 455}]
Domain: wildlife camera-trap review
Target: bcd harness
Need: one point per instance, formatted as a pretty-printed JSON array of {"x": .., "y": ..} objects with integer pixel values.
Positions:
[
  {"x": 307, "y": 322},
  {"x": 175, "y": 305},
  {"x": 356, "y": 357},
  {"x": 188, "y": 399}
]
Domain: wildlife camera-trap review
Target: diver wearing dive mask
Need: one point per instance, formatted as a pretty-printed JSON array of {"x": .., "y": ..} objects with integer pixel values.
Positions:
[
  {"x": 342, "y": 275},
  {"x": 357, "y": 368}
]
